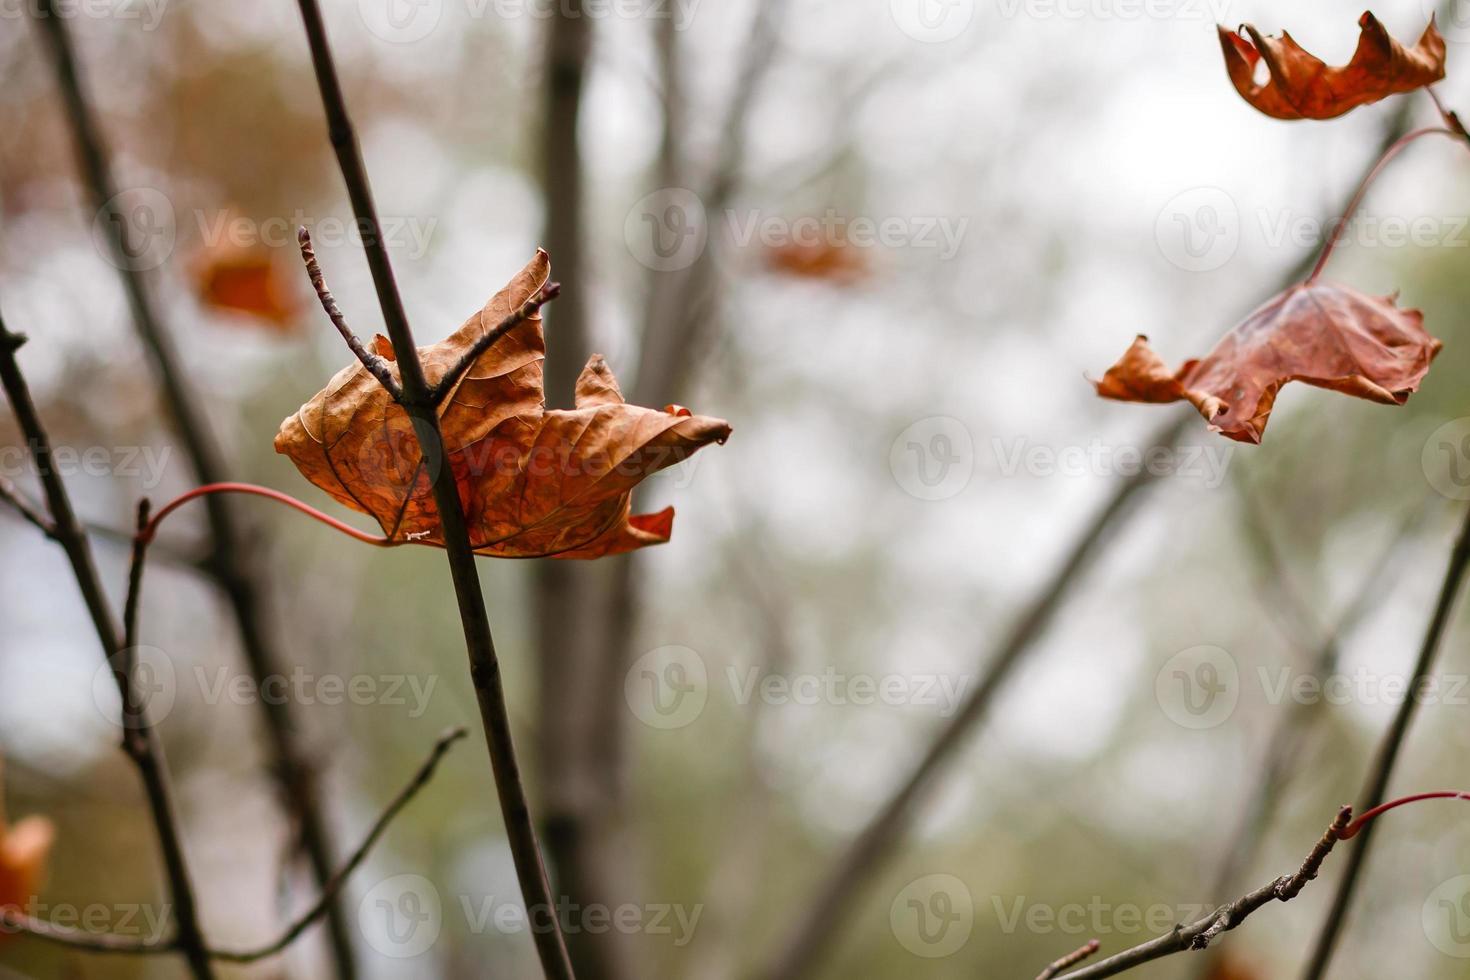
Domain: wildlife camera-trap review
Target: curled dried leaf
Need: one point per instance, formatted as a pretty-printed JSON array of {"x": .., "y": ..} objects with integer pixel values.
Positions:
[
  {"x": 533, "y": 482},
  {"x": 1301, "y": 86},
  {"x": 1319, "y": 333}
]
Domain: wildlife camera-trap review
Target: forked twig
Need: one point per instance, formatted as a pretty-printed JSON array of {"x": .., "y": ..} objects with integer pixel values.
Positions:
[
  {"x": 11, "y": 494},
  {"x": 1200, "y": 933}
]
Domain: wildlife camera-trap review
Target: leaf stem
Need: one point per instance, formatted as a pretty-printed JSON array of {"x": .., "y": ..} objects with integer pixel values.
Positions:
[
  {"x": 150, "y": 529},
  {"x": 1340, "y": 226}
]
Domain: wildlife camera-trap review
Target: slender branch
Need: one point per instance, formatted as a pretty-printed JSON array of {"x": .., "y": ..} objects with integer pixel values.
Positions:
[
  {"x": 14, "y": 921},
  {"x": 1376, "y": 788},
  {"x": 817, "y": 927},
  {"x": 1070, "y": 960},
  {"x": 525, "y": 311},
  {"x": 335, "y": 884},
  {"x": 376, "y": 366},
  {"x": 417, "y": 402},
  {"x": 1200, "y": 933},
  {"x": 140, "y": 740},
  {"x": 228, "y": 565},
  {"x": 11, "y": 494},
  {"x": 1340, "y": 226}
]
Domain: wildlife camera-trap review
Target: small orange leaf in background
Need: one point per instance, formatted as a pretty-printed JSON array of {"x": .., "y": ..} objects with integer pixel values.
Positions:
[
  {"x": 1227, "y": 967},
  {"x": 533, "y": 482},
  {"x": 837, "y": 262},
  {"x": 24, "y": 848},
  {"x": 1319, "y": 333},
  {"x": 1301, "y": 86},
  {"x": 247, "y": 280}
]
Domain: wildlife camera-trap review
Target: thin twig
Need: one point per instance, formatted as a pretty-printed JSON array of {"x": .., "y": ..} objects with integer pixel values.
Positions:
[
  {"x": 1070, "y": 960},
  {"x": 525, "y": 311},
  {"x": 1200, "y": 933},
  {"x": 11, "y": 494},
  {"x": 15, "y": 921},
  {"x": 416, "y": 401},
  {"x": 335, "y": 884},
  {"x": 377, "y": 366},
  {"x": 1375, "y": 790},
  {"x": 228, "y": 564},
  {"x": 818, "y": 926},
  {"x": 140, "y": 740}
]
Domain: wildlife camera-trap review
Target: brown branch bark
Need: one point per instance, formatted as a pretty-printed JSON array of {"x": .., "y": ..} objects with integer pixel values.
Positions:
[
  {"x": 139, "y": 740},
  {"x": 1200, "y": 933},
  {"x": 227, "y": 564},
  {"x": 417, "y": 401}
]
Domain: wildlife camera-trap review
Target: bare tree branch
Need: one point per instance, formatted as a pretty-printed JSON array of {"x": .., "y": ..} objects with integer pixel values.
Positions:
[
  {"x": 417, "y": 401},
  {"x": 140, "y": 740},
  {"x": 1083, "y": 952},
  {"x": 1200, "y": 933},
  {"x": 228, "y": 564},
  {"x": 11, "y": 494}
]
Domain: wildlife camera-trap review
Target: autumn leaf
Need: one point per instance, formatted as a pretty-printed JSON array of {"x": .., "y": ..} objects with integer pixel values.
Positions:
[
  {"x": 533, "y": 482},
  {"x": 24, "y": 849},
  {"x": 835, "y": 261},
  {"x": 1300, "y": 86},
  {"x": 247, "y": 280},
  {"x": 1319, "y": 333}
]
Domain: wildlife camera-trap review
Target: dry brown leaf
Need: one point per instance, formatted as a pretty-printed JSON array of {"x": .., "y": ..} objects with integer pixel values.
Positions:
[
  {"x": 1301, "y": 86},
  {"x": 533, "y": 482},
  {"x": 247, "y": 280},
  {"x": 24, "y": 849},
  {"x": 1319, "y": 333},
  {"x": 834, "y": 261}
]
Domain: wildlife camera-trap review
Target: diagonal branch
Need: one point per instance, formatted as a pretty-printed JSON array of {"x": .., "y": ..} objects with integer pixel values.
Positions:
[
  {"x": 376, "y": 366},
  {"x": 140, "y": 740},
  {"x": 228, "y": 564},
  {"x": 488, "y": 339},
  {"x": 417, "y": 401},
  {"x": 1200, "y": 933},
  {"x": 1084, "y": 952},
  {"x": 11, "y": 494}
]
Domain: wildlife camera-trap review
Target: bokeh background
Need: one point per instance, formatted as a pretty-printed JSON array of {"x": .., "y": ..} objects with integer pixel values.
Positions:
[{"x": 1003, "y": 192}]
